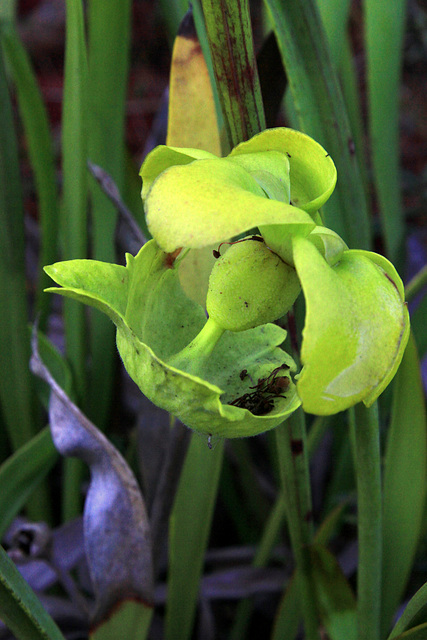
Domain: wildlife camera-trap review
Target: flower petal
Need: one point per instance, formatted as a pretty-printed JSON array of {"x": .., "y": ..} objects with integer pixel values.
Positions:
[
  {"x": 312, "y": 171},
  {"x": 163, "y": 157},
  {"x": 209, "y": 201},
  {"x": 356, "y": 328},
  {"x": 157, "y": 320}
]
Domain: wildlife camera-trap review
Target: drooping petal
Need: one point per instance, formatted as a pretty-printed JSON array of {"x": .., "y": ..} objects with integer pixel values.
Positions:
[
  {"x": 163, "y": 157},
  {"x": 356, "y": 328},
  {"x": 312, "y": 172},
  {"x": 208, "y": 201}
]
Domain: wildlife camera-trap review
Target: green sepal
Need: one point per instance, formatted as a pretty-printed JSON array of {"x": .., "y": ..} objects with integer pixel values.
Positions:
[
  {"x": 312, "y": 172},
  {"x": 190, "y": 203},
  {"x": 157, "y": 321},
  {"x": 211, "y": 200},
  {"x": 163, "y": 157},
  {"x": 356, "y": 328}
]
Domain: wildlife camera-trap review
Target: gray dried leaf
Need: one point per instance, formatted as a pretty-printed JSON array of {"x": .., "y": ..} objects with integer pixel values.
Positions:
[{"x": 116, "y": 528}]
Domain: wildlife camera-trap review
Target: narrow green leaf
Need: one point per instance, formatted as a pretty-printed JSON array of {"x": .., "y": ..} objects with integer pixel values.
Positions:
[
  {"x": 336, "y": 601},
  {"x": 229, "y": 31},
  {"x": 321, "y": 111},
  {"x": 384, "y": 31},
  {"x": 73, "y": 224},
  {"x": 109, "y": 26},
  {"x": 74, "y": 157},
  {"x": 417, "y": 633},
  {"x": 404, "y": 481},
  {"x": 189, "y": 531},
  {"x": 131, "y": 619},
  {"x": 40, "y": 151},
  {"x": 415, "y": 611},
  {"x": 20, "y": 609},
  {"x": 22, "y": 472},
  {"x": 15, "y": 387}
]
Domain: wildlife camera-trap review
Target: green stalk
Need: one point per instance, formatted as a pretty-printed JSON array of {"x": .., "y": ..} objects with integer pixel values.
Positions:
[
  {"x": 293, "y": 460},
  {"x": 192, "y": 358},
  {"x": 368, "y": 474},
  {"x": 229, "y": 31},
  {"x": 108, "y": 63},
  {"x": 74, "y": 219}
]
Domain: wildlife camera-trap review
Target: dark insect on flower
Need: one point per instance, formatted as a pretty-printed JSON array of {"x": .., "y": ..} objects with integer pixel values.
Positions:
[{"x": 261, "y": 400}]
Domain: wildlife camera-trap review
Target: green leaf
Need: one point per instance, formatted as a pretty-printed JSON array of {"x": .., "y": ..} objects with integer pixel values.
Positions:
[
  {"x": 20, "y": 609},
  {"x": 356, "y": 328},
  {"x": 336, "y": 601},
  {"x": 321, "y": 111},
  {"x": 130, "y": 619},
  {"x": 404, "y": 481},
  {"x": 417, "y": 633},
  {"x": 190, "y": 525},
  {"x": 22, "y": 473},
  {"x": 40, "y": 151},
  {"x": 414, "y": 613},
  {"x": 384, "y": 32}
]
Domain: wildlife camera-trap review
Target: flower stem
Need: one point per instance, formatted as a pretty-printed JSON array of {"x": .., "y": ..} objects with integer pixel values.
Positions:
[
  {"x": 293, "y": 460},
  {"x": 368, "y": 473},
  {"x": 192, "y": 358}
]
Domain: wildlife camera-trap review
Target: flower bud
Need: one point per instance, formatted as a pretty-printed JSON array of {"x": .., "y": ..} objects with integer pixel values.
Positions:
[{"x": 249, "y": 286}]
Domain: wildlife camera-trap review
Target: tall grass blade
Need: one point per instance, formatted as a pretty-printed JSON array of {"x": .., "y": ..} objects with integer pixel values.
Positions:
[
  {"x": 21, "y": 473},
  {"x": 384, "y": 30},
  {"x": 40, "y": 151},
  {"x": 15, "y": 381},
  {"x": 321, "y": 111},
  {"x": 20, "y": 608},
  {"x": 189, "y": 531},
  {"x": 404, "y": 482},
  {"x": 108, "y": 61}
]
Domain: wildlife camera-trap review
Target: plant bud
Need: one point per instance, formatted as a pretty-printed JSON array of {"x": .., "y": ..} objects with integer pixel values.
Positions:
[{"x": 249, "y": 286}]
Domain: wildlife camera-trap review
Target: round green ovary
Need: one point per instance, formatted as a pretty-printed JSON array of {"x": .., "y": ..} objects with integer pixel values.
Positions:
[{"x": 249, "y": 286}]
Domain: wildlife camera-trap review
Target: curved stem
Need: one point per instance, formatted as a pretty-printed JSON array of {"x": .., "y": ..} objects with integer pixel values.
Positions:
[
  {"x": 368, "y": 474},
  {"x": 293, "y": 459}
]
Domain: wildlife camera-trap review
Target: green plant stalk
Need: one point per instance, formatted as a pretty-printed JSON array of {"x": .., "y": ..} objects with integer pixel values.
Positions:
[
  {"x": 368, "y": 476},
  {"x": 416, "y": 283},
  {"x": 293, "y": 460},
  {"x": 40, "y": 152},
  {"x": 321, "y": 112},
  {"x": 384, "y": 29},
  {"x": 74, "y": 217},
  {"x": 229, "y": 32},
  {"x": 263, "y": 552},
  {"x": 109, "y": 27}
]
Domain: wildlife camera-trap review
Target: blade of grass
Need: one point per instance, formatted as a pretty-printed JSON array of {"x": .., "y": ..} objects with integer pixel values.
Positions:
[
  {"x": 404, "y": 482},
  {"x": 189, "y": 532},
  {"x": 293, "y": 459},
  {"x": 109, "y": 26},
  {"x": 367, "y": 465},
  {"x": 229, "y": 32},
  {"x": 74, "y": 193},
  {"x": 321, "y": 110},
  {"x": 20, "y": 608},
  {"x": 384, "y": 31},
  {"x": 73, "y": 224},
  {"x": 40, "y": 151},
  {"x": 15, "y": 387},
  {"x": 22, "y": 473}
]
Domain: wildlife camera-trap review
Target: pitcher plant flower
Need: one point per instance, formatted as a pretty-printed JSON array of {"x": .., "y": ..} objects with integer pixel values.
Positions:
[{"x": 220, "y": 366}]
